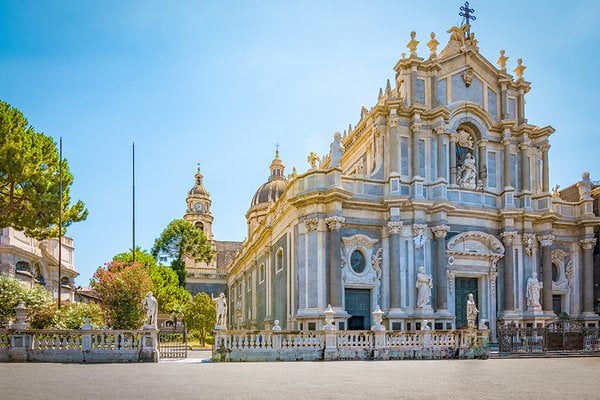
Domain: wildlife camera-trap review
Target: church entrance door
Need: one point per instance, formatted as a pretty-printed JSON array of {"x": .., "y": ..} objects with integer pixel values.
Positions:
[
  {"x": 464, "y": 286},
  {"x": 358, "y": 305}
]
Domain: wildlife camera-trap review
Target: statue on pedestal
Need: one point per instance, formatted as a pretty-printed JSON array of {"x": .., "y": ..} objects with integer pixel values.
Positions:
[
  {"x": 221, "y": 305},
  {"x": 151, "y": 307},
  {"x": 424, "y": 285},
  {"x": 472, "y": 312},
  {"x": 533, "y": 292}
]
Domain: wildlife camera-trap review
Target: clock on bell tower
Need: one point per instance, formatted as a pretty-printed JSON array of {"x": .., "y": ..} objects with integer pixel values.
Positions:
[{"x": 198, "y": 207}]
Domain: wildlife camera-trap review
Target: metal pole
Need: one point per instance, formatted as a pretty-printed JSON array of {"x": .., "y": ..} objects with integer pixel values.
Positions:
[
  {"x": 60, "y": 215},
  {"x": 133, "y": 199}
]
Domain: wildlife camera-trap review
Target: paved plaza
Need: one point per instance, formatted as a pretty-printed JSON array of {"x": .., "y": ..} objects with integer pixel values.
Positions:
[{"x": 566, "y": 378}]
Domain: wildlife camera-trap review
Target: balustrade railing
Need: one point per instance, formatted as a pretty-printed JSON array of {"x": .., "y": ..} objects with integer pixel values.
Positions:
[
  {"x": 78, "y": 345},
  {"x": 348, "y": 345}
]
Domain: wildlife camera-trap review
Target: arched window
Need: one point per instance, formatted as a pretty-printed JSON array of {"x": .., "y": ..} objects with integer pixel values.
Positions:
[
  {"x": 200, "y": 226},
  {"x": 279, "y": 259},
  {"x": 23, "y": 268},
  {"x": 65, "y": 282},
  {"x": 261, "y": 273}
]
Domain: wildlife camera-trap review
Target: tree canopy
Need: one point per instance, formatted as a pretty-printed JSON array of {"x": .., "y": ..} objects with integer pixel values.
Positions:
[
  {"x": 170, "y": 296},
  {"x": 29, "y": 179},
  {"x": 201, "y": 316},
  {"x": 181, "y": 240},
  {"x": 122, "y": 287}
]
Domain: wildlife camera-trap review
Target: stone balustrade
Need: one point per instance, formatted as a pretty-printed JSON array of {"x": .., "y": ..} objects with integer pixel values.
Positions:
[
  {"x": 93, "y": 346},
  {"x": 348, "y": 345}
]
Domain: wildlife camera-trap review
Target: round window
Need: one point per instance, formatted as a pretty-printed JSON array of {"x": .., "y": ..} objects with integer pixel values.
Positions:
[{"x": 357, "y": 261}]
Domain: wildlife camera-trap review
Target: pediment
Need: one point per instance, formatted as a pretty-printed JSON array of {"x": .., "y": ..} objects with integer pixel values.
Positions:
[{"x": 476, "y": 243}]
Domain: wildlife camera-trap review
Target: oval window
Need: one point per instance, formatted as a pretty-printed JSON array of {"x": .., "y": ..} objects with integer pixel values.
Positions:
[
  {"x": 555, "y": 272},
  {"x": 357, "y": 261}
]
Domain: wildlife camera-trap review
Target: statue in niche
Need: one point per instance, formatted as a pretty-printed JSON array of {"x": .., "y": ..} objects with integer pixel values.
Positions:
[
  {"x": 424, "y": 285},
  {"x": 221, "y": 303},
  {"x": 472, "y": 312},
  {"x": 336, "y": 150},
  {"x": 467, "y": 173},
  {"x": 468, "y": 78},
  {"x": 533, "y": 292},
  {"x": 151, "y": 307}
]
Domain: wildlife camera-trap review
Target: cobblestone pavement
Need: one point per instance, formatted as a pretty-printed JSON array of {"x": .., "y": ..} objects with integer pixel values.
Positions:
[{"x": 547, "y": 378}]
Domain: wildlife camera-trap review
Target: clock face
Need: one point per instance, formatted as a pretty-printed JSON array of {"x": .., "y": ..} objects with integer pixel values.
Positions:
[{"x": 198, "y": 206}]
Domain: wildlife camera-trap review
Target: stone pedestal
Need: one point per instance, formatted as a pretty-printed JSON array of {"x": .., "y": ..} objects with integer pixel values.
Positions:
[{"x": 149, "y": 351}]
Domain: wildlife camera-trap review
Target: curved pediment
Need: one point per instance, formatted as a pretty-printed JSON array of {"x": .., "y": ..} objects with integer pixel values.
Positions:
[{"x": 476, "y": 243}]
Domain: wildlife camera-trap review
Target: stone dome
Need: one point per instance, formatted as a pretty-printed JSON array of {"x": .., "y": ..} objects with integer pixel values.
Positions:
[{"x": 271, "y": 190}]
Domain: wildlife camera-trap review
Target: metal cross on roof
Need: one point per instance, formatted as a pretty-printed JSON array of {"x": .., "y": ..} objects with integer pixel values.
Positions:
[
  {"x": 466, "y": 14},
  {"x": 198, "y": 164}
]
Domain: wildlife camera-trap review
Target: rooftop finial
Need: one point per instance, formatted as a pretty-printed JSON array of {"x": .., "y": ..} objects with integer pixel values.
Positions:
[
  {"x": 466, "y": 14},
  {"x": 198, "y": 164},
  {"x": 276, "y": 150}
]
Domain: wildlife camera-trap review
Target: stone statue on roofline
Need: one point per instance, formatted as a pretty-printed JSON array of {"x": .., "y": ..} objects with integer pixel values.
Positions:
[{"x": 336, "y": 150}]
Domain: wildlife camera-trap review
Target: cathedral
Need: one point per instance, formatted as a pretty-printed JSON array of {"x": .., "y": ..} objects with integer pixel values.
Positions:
[{"x": 441, "y": 191}]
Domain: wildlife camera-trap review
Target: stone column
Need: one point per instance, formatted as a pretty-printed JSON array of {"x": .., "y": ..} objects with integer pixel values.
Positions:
[
  {"x": 545, "y": 173},
  {"x": 506, "y": 143},
  {"x": 588, "y": 274},
  {"x": 453, "y": 160},
  {"x": 441, "y": 293},
  {"x": 509, "y": 271},
  {"x": 335, "y": 269},
  {"x": 482, "y": 161},
  {"x": 525, "y": 178},
  {"x": 415, "y": 153},
  {"x": 439, "y": 131},
  {"x": 394, "y": 228},
  {"x": 546, "y": 243}
]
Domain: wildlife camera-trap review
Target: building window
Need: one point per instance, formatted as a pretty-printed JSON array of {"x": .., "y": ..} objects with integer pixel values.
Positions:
[
  {"x": 65, "y": 282},
  {"x": 357, "y": 261},
  {"x": 404, "y": 155},
  {"x": 200, "y": 226},
  {"x": 491, "y": 167},
  {"x": 249, "y": 282},
  {"x": 261, "y": 273},
  {"x": 279, "y": 260}
]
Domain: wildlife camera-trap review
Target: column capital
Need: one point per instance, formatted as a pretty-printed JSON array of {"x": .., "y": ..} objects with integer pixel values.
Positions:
[
  {"x": 546, "y": 240},
  {"x": 523, "y": 146},
  {"x": 439, "y": 130},
  {"x": 453, "y": 138},
  {"x": 545, "y": 147},
  {"x": 395, "y": 227},
  {"x": 415, "y": 127},
  {"x": 311, "y": 224},
  {"x": 506, "y": 141},
  {"x": 440, "y": 231},
  {"x": 335, "y": 223},
  {"x": 529, "y": 242},
  {"x": 418, "y": 229},
  {"x": 508, "y": 237},
  {"x": 482, "y": 143},
  {"x": 393, "y": 121},
  {"x": 587, "y": 243}
]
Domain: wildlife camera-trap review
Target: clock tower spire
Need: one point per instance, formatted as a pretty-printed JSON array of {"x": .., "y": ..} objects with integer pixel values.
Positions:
[{"x": 198, "y": 206}]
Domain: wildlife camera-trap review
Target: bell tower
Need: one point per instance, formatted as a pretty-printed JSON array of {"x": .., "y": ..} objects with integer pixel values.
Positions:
[{"x": 198, "y": 206}]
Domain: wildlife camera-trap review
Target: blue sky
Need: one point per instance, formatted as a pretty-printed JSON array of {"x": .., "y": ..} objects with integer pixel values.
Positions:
[{"x": 220, "y": 82}]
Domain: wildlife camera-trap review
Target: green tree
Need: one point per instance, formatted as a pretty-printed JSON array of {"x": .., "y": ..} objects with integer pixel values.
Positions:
[
  {"x": 37, "y": 300},
  {"x": 170, "y": 296},
  {"x": 201, "y": 316},
  {"x": 122, "y": 287},
  {"x": 29, "y": 179},
  {"x": 181, "y": 240}
]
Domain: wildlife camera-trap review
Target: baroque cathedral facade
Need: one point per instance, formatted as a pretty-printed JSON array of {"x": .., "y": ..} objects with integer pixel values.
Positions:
[{"x": 440, "y": 191}]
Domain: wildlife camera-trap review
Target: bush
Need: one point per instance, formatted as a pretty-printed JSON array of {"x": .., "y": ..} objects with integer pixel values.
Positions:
[
  {"x": 72, "y": 316},
  {"x": 37, "y": 300}
]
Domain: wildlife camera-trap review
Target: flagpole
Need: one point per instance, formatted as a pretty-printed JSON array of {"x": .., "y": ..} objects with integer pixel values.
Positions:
[
  {"x": 133, "y": 200},
  {"x": 60, "y": 216}
]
